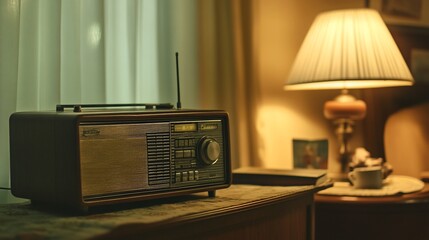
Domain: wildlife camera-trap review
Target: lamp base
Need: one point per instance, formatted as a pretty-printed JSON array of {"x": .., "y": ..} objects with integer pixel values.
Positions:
[
  {"x": 343, "y": 110},
  {"x": 344, "y": 131}
]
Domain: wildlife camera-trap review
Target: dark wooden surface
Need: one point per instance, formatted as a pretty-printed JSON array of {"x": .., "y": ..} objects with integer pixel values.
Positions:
[
  {"x": 289, "y": 219},
  {"x": 239, "y": 212},
  {"x": 394, "y": 217},
  {"x": 283, "y": 217}
]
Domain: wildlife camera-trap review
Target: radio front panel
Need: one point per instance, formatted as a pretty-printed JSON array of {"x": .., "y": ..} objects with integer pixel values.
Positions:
[
  {"x": 130, "y": 159},
  {"x": 82, "y": 159}
]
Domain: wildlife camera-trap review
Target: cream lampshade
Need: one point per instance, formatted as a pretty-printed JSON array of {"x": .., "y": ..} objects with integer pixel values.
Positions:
[{"x": 347, "y": 49}]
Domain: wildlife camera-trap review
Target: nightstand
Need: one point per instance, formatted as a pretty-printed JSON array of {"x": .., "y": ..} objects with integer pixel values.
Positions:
[{"x": 391, "y": 217}]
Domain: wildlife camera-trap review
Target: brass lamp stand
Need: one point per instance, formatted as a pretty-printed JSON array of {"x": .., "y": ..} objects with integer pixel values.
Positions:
[{"x": 344, "y": 110}]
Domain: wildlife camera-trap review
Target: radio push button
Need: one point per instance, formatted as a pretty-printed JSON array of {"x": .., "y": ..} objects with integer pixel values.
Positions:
[
  {"x": 185, "y": 176},
  {"x": 191, "y": 175},
  {"x": 187, "y": 142},
  {"x": 178, "y": 177},
  {"x": 187, "y": 153},
  {"x": 179, "y": 153}
]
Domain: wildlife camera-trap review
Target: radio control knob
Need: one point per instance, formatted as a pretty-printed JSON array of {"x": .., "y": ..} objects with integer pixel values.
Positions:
[{"x": 209, "y": 150}]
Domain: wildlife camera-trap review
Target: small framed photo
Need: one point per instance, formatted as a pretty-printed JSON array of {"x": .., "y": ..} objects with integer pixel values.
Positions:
[
  {"x": 310, "y": 153},
  {"x": 400, "y": 12}
]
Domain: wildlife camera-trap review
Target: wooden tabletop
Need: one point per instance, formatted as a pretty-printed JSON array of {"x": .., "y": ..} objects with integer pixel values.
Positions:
[{"x": 26, "y": 220}]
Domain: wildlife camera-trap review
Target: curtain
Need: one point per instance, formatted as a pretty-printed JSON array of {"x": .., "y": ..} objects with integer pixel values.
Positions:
[
  {"x": 226, "y": 77},
  {"x": 107, "y": 51},
  {"x": 101, "y": 51}
]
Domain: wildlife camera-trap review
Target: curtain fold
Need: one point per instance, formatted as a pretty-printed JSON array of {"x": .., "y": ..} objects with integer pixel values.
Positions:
[
  {"x": 226, "y": 75},
  {"x": 70, "y": 67},
  {"x": 90, "y": 44}
]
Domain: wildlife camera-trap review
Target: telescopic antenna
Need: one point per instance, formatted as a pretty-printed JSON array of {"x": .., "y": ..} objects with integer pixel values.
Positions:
[{"x": 179, "y": 103}]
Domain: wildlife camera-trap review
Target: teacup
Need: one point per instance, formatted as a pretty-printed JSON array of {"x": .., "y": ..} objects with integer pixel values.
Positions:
[{"x": 367, "y": 177}]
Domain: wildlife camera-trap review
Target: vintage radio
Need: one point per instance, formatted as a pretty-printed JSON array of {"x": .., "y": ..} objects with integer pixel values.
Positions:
[{"x": 83, "y": 158}]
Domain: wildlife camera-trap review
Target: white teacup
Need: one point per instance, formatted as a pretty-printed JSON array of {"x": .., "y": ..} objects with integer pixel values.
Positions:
[{"x": 367, "y": 177}]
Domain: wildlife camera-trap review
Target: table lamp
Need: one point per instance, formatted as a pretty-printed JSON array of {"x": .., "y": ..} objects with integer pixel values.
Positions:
[{"x": 347, "y": 49}]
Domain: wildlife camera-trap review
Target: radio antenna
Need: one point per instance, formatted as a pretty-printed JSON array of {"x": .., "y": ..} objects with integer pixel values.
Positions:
[{"x": 179, "y": 103}]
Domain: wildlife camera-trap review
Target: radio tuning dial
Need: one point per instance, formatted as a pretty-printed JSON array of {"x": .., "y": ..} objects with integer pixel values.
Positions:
[{"x": 209, "y": 150}]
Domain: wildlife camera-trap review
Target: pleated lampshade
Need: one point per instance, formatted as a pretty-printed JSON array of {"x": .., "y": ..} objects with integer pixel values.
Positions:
[{"x": 348, "y": 49}]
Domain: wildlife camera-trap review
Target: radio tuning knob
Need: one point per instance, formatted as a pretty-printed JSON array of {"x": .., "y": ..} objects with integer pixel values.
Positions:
[{"x": 209, "y": 150}]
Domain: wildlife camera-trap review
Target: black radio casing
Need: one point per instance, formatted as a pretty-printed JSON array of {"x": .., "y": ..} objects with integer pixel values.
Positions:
[{"x": 98, "y": 157}]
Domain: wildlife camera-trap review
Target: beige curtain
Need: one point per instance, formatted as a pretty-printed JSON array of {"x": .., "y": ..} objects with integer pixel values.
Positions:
[
  {"x": 101, "y": 51},
  {"x": 226, "y": 75}
]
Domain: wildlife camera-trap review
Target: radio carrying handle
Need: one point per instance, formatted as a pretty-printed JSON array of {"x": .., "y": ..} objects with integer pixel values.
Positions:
[{"x": 78, "y": 107}]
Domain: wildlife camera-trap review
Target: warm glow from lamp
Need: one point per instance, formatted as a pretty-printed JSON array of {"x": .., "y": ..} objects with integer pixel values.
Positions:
[{"x": 348, "y": 49}]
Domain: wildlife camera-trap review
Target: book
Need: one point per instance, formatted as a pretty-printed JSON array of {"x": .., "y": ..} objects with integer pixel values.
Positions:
[{"x": 279, "y": 177}]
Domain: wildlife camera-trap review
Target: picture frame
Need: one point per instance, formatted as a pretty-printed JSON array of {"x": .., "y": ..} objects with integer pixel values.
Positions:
[
  {"x": 310, "y": 153},
  {"x": 406, "y": 13}
]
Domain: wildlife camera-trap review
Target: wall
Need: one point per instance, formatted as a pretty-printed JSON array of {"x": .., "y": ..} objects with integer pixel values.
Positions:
[{"x": 279, "y": 27}]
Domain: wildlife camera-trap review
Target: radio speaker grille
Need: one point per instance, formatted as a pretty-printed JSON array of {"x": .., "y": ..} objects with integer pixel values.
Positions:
[{"x": 158, "y": 158}]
